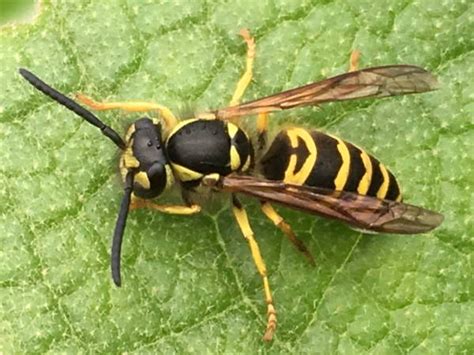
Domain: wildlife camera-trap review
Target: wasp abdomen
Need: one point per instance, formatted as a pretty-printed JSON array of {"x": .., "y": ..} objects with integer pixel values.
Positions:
[{"x": 307, "y": 157}]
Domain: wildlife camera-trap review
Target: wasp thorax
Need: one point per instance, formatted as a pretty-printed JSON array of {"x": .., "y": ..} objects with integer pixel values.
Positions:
[{"x": 145, "y": 155}]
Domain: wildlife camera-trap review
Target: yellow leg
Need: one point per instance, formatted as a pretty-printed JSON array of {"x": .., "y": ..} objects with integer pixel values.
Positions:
[
  {"x": 242, "y": 220},
  {"x": 354, "y": 61},
  {"x": 170, "y": 209},
  {"x": 262, "y": 122},
  {"x": 247, "y": 76},
  {"x": 132, "y": 106},
  {"x": 262, "y": 127},
  {"x": 278, "y": 220}
]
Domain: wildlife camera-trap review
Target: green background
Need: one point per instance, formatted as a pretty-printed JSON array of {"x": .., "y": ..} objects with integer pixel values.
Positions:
[{"x": 189, "y": 282}]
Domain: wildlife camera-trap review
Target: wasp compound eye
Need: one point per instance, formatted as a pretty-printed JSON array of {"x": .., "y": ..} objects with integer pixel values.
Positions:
[{"x": 156, "y": 170}]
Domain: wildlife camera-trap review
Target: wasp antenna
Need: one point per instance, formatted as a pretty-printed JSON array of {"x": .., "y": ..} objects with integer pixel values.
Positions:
[
  {"x": 73, "y": 106},
  {"x": 120, "y": 228}
]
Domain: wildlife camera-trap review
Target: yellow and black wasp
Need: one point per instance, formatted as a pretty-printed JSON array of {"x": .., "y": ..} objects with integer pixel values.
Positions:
[{"x": 302, "y": 169}]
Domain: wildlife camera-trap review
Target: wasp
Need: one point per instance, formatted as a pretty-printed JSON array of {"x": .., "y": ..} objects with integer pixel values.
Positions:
[{"x": 303, "y": 169}]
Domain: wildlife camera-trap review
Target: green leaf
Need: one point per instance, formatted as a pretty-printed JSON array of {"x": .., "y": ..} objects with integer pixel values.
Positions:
[{"x": 189, "y": 283}]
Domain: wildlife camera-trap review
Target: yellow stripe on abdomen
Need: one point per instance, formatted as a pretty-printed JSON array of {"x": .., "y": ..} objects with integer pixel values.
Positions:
[
  {"x": 382, "y": 192},
  {"x": 299, "y": 136},
  {"x": 367, "y": 178},
  {"x": 343, "y": 173}
]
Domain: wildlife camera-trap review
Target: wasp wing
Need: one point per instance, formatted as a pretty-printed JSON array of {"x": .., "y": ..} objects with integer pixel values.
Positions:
[
  {"x": 382, "y": 81},
  {"x": 362, "y": 212}
]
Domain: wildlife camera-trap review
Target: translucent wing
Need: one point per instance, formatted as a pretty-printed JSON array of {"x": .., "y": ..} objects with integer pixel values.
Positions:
[
  {"x": 383, "y": 81},
  {"x": 358, "y": 211}
]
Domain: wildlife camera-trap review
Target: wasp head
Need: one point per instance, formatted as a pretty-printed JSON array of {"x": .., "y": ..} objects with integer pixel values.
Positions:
[{"x": 145, "y": 155}]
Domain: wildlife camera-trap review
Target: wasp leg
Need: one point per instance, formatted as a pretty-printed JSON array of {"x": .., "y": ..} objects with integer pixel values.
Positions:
[
  {"x": 132, "y": 106},
  {"x": 186, "y": 196},
  {"x": 262, "y": 128},
  {"x": 247, "y": 76},
  {"x": 278, "y": 220},
  {"x": 242, "y": 220},
  {"x": 354, "y": 61},
  {"x": 170, "y": 209}
]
